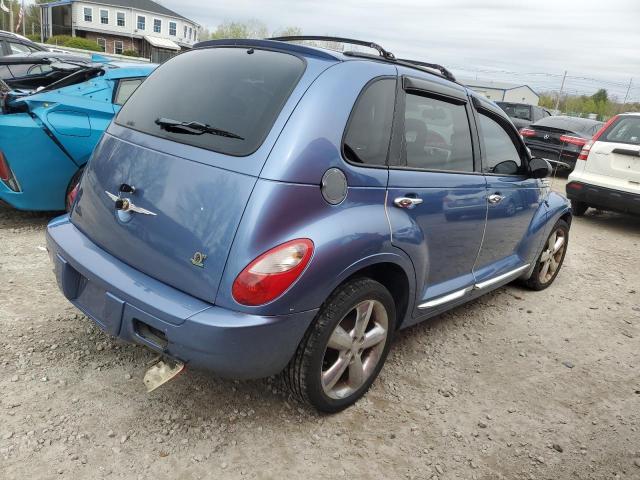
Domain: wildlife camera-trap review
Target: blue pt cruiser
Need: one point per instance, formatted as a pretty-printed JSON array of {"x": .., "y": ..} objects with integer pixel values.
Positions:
[{"x": 294, "y": 207}]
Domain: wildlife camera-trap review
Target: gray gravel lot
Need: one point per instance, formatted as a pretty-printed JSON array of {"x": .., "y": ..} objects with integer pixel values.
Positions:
[{"x": 515, "y": 385}]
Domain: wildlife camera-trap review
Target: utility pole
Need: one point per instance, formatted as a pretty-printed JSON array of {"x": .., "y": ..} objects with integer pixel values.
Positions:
[
  {"x": 626, "y": 97},
  {"x": 564, "y": 77}
]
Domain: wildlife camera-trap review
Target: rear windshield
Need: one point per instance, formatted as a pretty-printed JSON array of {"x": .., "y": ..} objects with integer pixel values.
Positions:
[
  {"x": 625, "y": 130},
  {"x": 515, "y": 110},
  {"x": 570, "y": 124},
  {"x": 236, "y": 91}
]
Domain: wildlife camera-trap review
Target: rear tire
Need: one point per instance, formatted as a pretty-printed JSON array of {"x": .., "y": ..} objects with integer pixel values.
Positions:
[
  {"x": 578, "y": 208},
  {"x": 345, "y": 348},
  {"x": 551, "y": 259}
]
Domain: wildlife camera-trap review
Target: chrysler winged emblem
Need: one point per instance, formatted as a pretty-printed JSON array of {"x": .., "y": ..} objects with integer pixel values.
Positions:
[{"x": 126, "y": 205}]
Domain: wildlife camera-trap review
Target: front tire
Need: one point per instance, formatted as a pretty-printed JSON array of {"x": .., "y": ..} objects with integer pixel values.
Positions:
[
  {"x": 345, "y": 348},
  {"x": 551, "y": 259}
]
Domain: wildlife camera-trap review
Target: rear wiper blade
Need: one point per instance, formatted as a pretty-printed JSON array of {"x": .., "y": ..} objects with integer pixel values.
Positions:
[{"x": 193, "y": 128}]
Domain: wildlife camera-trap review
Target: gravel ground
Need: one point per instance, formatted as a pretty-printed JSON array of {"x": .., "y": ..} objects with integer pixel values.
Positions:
[{"x": 515, "y": 385}]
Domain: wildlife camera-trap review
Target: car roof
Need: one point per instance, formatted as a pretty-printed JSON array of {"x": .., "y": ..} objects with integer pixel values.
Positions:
[{"x": 284, "y": 44}]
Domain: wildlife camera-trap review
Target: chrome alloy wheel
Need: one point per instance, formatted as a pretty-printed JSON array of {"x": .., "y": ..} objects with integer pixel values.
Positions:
[
  {"x": 354, "y": 349},
  {"x": 552, "y": 255}
]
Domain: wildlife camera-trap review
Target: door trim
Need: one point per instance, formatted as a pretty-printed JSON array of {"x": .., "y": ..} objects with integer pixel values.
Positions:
[
  {"x": 446, "y": 299},
  {"x": 478, "y": 286},
  {"x": 500, "y": 278}
]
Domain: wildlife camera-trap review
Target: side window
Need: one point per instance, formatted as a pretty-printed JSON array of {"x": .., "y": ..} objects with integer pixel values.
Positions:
[
  {"x": 500, "y": 153},
  {"x": 369, "y": 130},
  {"x": 125, "y": 90},
  {"x": 436, "y": 135},
  {"x": 18, "y": 48}
]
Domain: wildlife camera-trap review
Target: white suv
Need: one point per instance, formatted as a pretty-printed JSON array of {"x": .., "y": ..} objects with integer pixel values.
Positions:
[{"x": 607, "y": 173}]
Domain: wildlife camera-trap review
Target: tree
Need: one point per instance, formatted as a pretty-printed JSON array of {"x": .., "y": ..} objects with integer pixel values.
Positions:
[
  {"x": 600, "y": 96},
  {"x": 250, "y": 29},
  {"x": 288, "y": 32}
]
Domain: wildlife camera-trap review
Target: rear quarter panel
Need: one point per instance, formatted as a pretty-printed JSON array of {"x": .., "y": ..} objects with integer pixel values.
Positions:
[
  {"x": 41, "y": 167},
  {"x": 347, "y": 238}
]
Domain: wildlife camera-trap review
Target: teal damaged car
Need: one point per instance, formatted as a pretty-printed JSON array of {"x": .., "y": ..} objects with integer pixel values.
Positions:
[{"x": 48, "y": 134}]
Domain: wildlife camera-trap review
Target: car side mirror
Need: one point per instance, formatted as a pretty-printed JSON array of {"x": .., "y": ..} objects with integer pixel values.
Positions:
[{"x": 540, "y": 168}]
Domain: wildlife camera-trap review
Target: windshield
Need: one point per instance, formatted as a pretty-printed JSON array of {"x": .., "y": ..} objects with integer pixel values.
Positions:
[
  {"x": 515, "y": 110},
  {"x": 235, "y": 90}
]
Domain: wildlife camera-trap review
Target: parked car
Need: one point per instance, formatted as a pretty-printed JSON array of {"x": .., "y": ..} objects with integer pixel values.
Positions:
[
  {"x": 47, "y": 137},
  {"x": 522, "y": 114},
  {"x": 276, "y": 216},
  {"x": 32, "y": 71},
  {"x": 14, "y": 44},
  {"x": 607, "y": 174},
  {"x": 560, "y": 139}
]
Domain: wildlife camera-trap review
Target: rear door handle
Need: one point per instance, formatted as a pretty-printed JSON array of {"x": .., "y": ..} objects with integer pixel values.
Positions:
[
  {"x": 407, "y": 202},
  {"x": 495, "y": 198}
]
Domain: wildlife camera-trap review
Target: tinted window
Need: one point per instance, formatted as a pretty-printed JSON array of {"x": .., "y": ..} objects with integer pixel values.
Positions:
[
  {"x": 369, "y": 131},
  {"x": 126, "y": 89},
  {"x": 500, "y": 153},
  {"x": 515, "y": 110},
  {"x": 228, "y": 89},
  {"x": 625, "y": 130},
  {"x": 437, "y": 135}
]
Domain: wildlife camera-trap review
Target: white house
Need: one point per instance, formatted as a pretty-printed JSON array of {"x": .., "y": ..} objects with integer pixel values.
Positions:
[
  {"x": 504, "y": 92},
  {"x": 147, "y": 27}
]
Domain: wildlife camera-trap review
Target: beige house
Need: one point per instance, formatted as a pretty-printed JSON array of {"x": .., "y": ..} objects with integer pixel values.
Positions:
[
  {"x": 149, "y": 28},
  {"x": 504, "y": 92}
]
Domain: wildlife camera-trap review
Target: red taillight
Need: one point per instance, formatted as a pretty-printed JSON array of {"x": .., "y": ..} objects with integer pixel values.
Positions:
[
  {"x": 6, "y": 175},
  {"x": 579, "y": 141},
  {"x": 71, "y": 197},
  {"x": 272, "y": 273},
  {"x": 5, "y": 171},
  {"x": 527, "y": 132},
  {"x": 584, "y": 154}
]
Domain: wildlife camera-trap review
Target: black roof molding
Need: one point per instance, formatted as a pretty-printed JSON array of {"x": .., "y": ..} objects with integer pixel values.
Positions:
[{"x": 269, "y": 44}]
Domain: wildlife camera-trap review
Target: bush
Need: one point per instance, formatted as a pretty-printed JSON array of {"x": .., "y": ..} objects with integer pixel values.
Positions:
[
  {"x": 131, "y": 53},
  {"x": 35, "y": 37},
  {"x": 74, "y": 42}
]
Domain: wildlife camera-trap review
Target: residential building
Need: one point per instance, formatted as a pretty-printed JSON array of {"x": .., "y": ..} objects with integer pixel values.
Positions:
[
  {"x": 504, "y": 92},
  {"x": 151, "y": 29}
]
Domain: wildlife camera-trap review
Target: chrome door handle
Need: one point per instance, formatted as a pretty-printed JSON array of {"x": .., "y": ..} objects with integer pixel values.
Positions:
[
  {"x": 407, "y": 202},
  {"x": 495, "y": 198}
]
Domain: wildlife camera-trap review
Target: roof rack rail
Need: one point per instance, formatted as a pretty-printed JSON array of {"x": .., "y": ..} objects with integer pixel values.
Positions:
[
  {"x": 434, "y": 66},
  {"x": 383, "y": 53}
]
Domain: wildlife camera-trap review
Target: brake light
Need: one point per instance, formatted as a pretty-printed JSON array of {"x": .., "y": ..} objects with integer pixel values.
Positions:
[
  {"x": 584, "y": 153},
  {"x": 6, "y": 175},
  {"x": 579, "y": 141},
  {"x": 272, "y": 273},
  {"x": 527, "y": 132}
]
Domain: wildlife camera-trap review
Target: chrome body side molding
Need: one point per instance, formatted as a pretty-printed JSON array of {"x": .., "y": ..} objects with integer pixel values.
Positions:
[{"x": 478, "y": 286}]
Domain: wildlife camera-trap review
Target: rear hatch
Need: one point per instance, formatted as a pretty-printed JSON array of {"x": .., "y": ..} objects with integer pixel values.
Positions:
[
  {"x": 617, "y": 151},
  {"x": 184, "y": 153}
]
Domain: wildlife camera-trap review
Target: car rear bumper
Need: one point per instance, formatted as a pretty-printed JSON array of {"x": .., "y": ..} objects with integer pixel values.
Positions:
[
  {"x": 554, "y": 154},
  {"x": 139, "y": 309},
  {"x": 604, "y": 198}
]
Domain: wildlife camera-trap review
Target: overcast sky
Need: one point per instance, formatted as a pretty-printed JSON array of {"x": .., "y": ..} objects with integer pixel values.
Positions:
[{"x": 535, "y": 41}]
